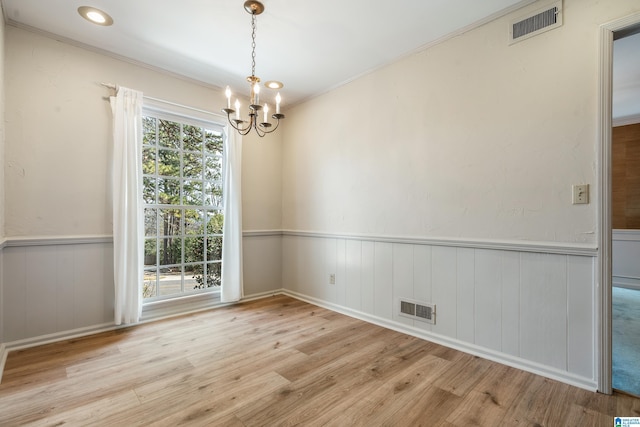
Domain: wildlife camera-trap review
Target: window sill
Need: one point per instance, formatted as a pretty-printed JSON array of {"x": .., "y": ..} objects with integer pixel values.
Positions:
[{"x": 181, "y": 305}]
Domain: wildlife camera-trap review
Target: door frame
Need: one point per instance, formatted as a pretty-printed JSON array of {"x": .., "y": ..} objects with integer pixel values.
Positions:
[{"x": 604, "y": 273}]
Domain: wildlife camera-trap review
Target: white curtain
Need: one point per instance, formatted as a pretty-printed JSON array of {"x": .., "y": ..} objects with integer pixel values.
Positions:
[
  {"x": 128, "y": 246},
  {"x": 232, "y": 229}
]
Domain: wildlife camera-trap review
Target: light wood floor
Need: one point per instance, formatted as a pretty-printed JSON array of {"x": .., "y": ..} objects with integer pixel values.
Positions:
[{"x": 279, "y": 361}]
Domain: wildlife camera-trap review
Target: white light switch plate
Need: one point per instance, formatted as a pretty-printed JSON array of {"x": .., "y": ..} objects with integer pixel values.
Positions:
[{"x": 581, "y": 194}]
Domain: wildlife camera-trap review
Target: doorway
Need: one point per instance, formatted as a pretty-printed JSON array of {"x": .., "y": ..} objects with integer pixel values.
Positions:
[
  {"x": 625, "y": 207},
  {"x": 606, "y": 311}
]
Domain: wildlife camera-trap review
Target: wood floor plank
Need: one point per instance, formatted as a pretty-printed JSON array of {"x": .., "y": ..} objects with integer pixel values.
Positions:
[
  {"x": 464, "y": 375},
  {"x": 392, "y": 400},
  {"x": 308, "y": 388},
  {"x": 279, "y": 361},
  {"x": 93, "y": 412}
]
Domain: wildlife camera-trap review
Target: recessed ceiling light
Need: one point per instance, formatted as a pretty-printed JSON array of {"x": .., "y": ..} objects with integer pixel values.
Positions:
[
  {"x": 272, "y": 84},
  {"x": 95, "y": 16}
]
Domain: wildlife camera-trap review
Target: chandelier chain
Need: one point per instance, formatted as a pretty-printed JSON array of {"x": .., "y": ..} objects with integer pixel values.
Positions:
[{"x": 253, "y": 45}]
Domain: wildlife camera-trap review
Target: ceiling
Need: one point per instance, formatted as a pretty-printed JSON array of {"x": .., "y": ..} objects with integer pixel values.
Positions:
[{"x": 311, "y": 46}]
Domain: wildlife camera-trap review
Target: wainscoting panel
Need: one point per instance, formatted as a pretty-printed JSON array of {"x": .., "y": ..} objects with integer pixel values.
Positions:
[
  {"x": 354, "y": 273},
  {"x": 510, "y": 301},
  {"x": 262, "y": 260},
  {"x": 444, "y": 293},
  {"x": 383, "y": 280},
  {"x": 367, "y": 272},
  {"x": 626, "y": 253},
  {"x": 543, "y": 309},
  {"x": 488, "y": 289},
  {"x": 527, "y": 306},
  {"x": 581, "y": 322},
  {"x": 54, "y": 288}
]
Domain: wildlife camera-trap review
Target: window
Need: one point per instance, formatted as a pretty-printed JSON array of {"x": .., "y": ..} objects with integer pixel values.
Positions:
[{"x": 182, "y": 194}]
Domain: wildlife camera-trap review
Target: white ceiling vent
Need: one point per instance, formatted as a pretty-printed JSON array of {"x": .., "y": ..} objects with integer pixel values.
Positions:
[
  {"x": 535, "y": 23},
  {"x": 424, "y": 312}
]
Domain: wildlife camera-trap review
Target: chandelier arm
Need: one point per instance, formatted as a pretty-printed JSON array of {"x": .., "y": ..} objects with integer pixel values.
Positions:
[
  {"x": 241, "y": 130},
  {"x": 274, "y": 128},
  {"x": 244, "y": 132},
  {"x": 261, "y": 133}
]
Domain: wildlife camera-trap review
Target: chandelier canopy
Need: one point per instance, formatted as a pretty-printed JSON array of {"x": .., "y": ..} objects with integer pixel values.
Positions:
[{"x": 233, "y": 115}]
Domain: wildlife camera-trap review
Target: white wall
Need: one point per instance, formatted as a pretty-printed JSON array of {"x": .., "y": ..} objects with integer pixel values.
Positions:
[
  {"x": 472, "y": 146},
  {"x": 58, "y": 209},
  {"x": 471, "y": 138}
]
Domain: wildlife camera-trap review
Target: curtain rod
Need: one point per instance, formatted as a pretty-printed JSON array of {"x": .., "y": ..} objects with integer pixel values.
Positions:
[{"x": 149, "y": 98}]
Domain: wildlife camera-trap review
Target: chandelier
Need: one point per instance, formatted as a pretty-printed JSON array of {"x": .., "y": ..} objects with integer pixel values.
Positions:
[{"x": 233, "y": 115}]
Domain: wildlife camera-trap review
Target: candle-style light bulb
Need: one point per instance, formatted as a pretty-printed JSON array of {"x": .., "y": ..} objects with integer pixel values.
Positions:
[
  {"x": 237, "y": 109},
  {"x": 227, "y": 92},
  {"x": 256, "y": 91},
  {"x": 266, "y": 111},
  {"x": 278, "y": 99}
]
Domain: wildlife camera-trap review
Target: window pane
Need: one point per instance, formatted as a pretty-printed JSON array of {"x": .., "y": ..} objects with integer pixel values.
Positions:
[
  {"x": 149, "y": 190},
  {"x": 150, "y": 252},
  {"x": 192, "y": 165},
  {"x": 170, "y": 281},
  {"x": 149, "y": 160},
  {"x": 194, "y": 249},
  {"x": 189, "y": 277},
  {"x": 192, "y": 193},
  {"x": 169, "y": 134},
  {"x": 170, "y": 251},
  {"x": 198, "y": 276},
  {"x": 150, "y": 222},
  {"x": 168, "y": 191},
  {"x": 149, "y": 130},
  {"x": 214, "y": 274},
  {"x": 215, "y": 221},
  {"x": 213, "y": 168},
  {"x": 213, "y": 194},
  {"x": 169, "y": 163},
  {"x": 213, "y": 142},
  {"x": 150, "y": 283},
  {"x": 169, "y": 222},
  {"x": 214, "y": 248},
  {"x": 192, "y": 138},
  {"x": 193, "y": 221}
]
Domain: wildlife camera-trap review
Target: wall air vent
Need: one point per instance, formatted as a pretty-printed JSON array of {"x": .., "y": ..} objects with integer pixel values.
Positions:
[
  {"x": 535, "y": 23},
  {"x": 418, "y": 310}
]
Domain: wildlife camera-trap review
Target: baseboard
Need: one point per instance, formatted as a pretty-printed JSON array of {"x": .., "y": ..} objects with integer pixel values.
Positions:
[
  {"x": 60, "y": 336},
  {"x": 626, "y": 282},
  {"x": 505, "y": 359}
]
